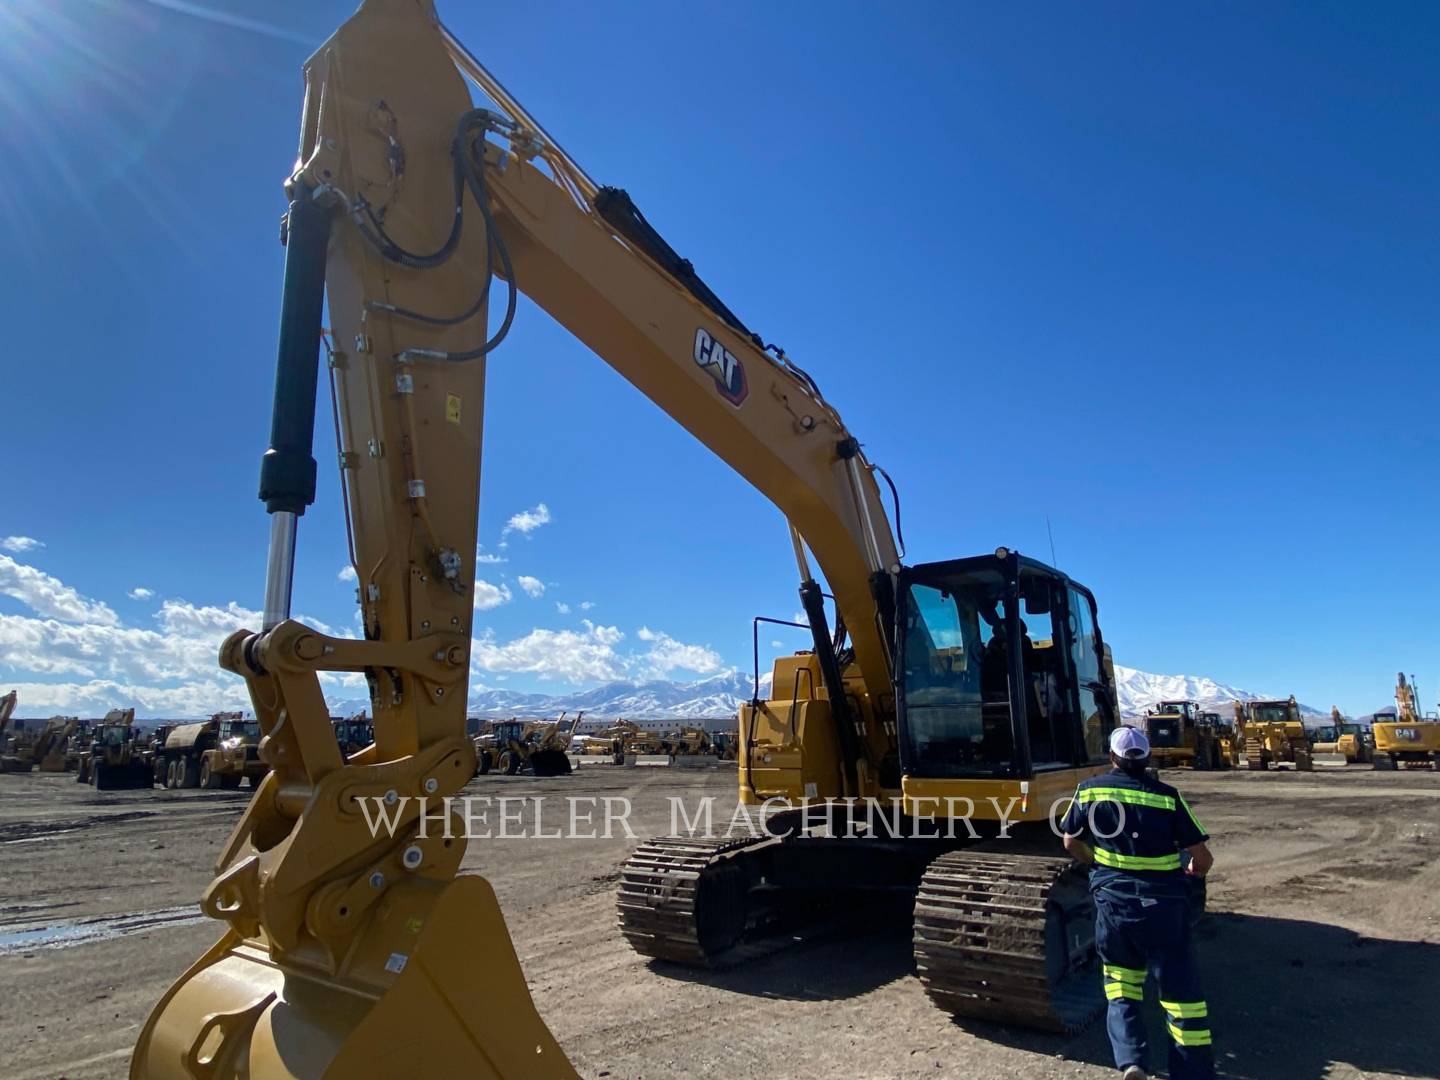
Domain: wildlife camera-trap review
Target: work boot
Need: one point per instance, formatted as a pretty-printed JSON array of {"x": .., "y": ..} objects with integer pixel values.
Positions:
[{"x": 1134, "y": 1072}]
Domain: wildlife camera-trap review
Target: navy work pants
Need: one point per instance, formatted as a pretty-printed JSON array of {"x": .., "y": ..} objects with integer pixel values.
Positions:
[{"x": 1134, "y": 936}]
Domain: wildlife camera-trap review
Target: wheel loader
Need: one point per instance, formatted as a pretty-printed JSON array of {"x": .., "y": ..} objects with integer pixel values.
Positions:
[
  {"x": 215, "y": 753},
  {"x": 1271, "y": 734},
  {"x": 116, "y": 757},
  {"x": 1410, "y": 740},
  {"x": 538, "y": 747},
  {"x": 1181, "y": 735},
  {"x": 976, "y": 689}
]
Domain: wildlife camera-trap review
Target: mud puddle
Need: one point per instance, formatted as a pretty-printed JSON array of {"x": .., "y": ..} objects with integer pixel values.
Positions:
[{"x": 29, "y": 935}]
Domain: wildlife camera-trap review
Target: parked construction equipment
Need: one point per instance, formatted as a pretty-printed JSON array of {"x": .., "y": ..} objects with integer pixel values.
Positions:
[
  {"x": 539, "y": 747},
  {"x": 46, "y": 752},
  {"x": 1181, "y": 735},
  {"x": 7, "y": 710},
  {"x": 214, "y": 753},
  {"x": 354, "y": 733},
  {"x": 1271, "y": 733},
  {"x": 1411, "y": 740},
  {"x": 981, "y": 682},
  {"x": 1340, "y": 742},
  {"x": 116, "y": 757}
]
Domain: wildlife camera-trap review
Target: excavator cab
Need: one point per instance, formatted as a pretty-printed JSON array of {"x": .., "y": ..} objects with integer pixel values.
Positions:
[{"x": 1001, "y": 671}]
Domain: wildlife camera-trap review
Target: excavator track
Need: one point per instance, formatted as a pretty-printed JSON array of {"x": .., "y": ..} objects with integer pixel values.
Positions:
[
  {"x": 1008, "y": 938},
  {"x": 688, "y": 900}
]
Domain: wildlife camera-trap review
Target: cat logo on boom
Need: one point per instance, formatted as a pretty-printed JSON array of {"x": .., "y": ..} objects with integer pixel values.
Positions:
[{"x": 722, "y": 365}]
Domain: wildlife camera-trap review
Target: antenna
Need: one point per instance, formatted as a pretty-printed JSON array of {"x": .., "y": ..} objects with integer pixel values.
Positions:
[{"x": 1050, "y": 533}]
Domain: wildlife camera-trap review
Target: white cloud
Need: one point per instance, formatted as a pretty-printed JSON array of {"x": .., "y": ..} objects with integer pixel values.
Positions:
[
  {"x": 777, "y": 644},
  {"x": 586, "y": 605},
  {"x": 533, "y": 586},
  {"x": 484, "y": 559},
  {"x": 667, "y": 655},
  {"x": 562, "y": 607},
  {"x": 347, "y": 573},
  {"x": 97, "y": 696},
  {"x": 574, "y": 656},
  {"x": 20, "y": 544},
  {"x": 489, "y": 596},
  {"x": 527, "y": 521},
  {"x": 48, "y": 596},
  {"x": 141, "y": 593}
]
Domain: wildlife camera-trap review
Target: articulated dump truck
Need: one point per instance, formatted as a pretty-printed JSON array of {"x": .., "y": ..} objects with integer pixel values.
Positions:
[
  {"x": 214, "y": 753},
  {"x": 1271, "y": 733}
]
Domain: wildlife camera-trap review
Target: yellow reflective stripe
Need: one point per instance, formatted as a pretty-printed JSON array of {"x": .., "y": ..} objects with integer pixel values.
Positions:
[
  {"x": 1116, "y": 861},
  {"x": 1193, "y": 819},
  {"x": 1127, "y": 795},
  {"x": 1114, "y": 991},
  {"x": 1124, "y": 974},
  {"x": 1188, "y": 1038},
  {"x": 1185, "y": 1009}
]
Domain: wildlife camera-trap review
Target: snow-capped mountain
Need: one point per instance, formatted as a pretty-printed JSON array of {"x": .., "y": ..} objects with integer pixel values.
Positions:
[
  {"x": 714, "y": 698},
  {"x": 1140, "y": 689},
  {"x": 720, "y": 696}
]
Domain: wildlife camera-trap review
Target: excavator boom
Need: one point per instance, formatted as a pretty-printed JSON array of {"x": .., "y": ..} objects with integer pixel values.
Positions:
[{"x": 350, "y": 947}]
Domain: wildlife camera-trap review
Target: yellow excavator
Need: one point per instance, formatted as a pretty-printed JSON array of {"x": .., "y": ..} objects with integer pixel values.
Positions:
[
  {"x": 975, "y": 688},
  {"x": 1410, "y": 739},
  {"x": 8, "y": 704},
  {"x": 46, "y": 752}
]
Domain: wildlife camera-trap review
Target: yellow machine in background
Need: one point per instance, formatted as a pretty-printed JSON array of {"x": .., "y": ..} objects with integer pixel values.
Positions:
[
  {"x": 538, "y": 746},
  {"x": 46, "y": 751},
  {"x": 977, "y": 686},
  {"x": 1271, "y": 733},
  {"x": 1411, "y": 740},
  {"x": 215, "y": 753},
  {"x": 1340, "y": 742},
  {"x": 8, "y": 704},
  {"x": 354, "y": 734},
  {"x": 117, "y": 756},
  {"x": 1181, "y": 735}
]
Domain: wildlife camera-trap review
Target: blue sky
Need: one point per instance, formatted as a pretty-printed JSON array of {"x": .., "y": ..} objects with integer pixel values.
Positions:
[{"x": 1165, "y": 274}]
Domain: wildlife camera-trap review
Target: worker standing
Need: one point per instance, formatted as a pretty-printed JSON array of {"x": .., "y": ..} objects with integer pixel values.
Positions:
[{"x": 1131, "y": 830}]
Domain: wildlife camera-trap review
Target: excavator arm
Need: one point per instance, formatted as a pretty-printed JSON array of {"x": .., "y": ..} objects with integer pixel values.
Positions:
[{"x": 350, "y": 949}]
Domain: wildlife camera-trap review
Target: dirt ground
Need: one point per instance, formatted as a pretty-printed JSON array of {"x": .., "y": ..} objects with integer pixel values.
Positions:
[{"x": 1324, "y": 942}]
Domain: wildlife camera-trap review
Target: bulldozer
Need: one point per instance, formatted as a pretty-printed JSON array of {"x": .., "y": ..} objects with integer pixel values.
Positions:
[
  {"x": 977, "y": 688},
  {"x": 1340, "y": 742},
  {"x": 215, "y": 753},
  {"x": 1271, "y": 733},
  {"x": 1181, "y": 734},
  {"x": 116, "y": 756},
  {"x": 46, "y": 752},
  {"x": 1410, "y": 739}
]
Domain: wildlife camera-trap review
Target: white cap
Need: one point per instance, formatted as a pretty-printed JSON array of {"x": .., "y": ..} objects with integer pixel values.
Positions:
[{"x": 1129, "y": 742}]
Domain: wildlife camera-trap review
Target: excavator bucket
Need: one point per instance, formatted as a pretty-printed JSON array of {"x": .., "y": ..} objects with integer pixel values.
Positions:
[{"x": 458, "y": 1005}]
